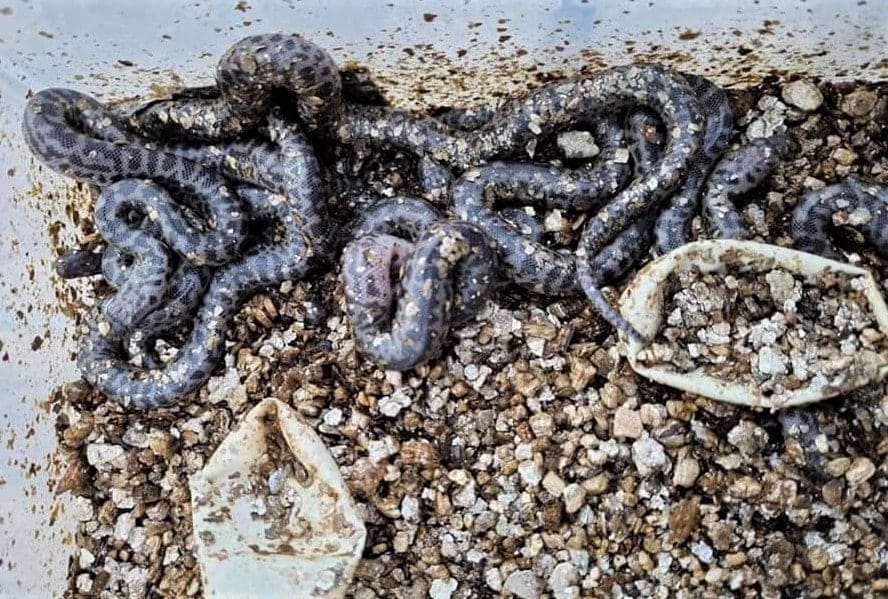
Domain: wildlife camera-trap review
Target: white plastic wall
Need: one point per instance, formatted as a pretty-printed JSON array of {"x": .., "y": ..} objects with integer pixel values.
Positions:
[{"x": 460, "y": 51}]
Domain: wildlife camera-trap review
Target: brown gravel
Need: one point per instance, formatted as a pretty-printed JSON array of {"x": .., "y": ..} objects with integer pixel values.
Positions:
[
  {"x": 771, "y": 329},
  {"x": 529, "y": 460}
]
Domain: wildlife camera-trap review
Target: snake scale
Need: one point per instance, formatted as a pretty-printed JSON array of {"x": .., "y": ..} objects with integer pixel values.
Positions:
[{"x": 214, "y": 193}]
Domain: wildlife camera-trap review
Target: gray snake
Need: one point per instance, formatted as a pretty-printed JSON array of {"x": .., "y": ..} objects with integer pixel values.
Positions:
[
  {"x": 864, "y": 206},
  {"x": 52, "y": 129},
  {"x": 448, "y": 269},
  {"x": 287, "y": 257},
  {"x": 210, "y": 178}
]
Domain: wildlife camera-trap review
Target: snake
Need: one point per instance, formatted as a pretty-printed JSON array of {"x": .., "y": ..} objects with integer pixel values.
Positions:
[
  {"x": 58, "y": 127},
  {"x": 530, "y": 263},
  {"x": 518, "y": 125},
  {"x": 671, "y": 229},
  {"x": 108, "y": 156},
  {"x": 739, "y": 171},
  {"x": 249, "y": 136},
  {"x": 864, "y": 204},
  {"x": 248, "y": 76},
  {"x": 285, "y": 255},
  {"x": 273, "y": 163},
  {"x": 447, "y": 269}
]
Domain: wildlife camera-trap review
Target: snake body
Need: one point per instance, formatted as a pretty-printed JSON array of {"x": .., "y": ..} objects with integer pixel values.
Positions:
[
  {"x": 864, "y": 204},
  {"x": 52, "y": 128},
  {"x": 140, "y": 219},
  {"x": 446, "y": 275},
  {"x": 191, "y": 180},
  {"x": 246, "y": 76},
  {"x": 524, "y": 121},
  {"x": 287, "y": 257},
  {"x": 120, "y": 212},
  {"x": 528, "y": 262},
  {"x": 737, "y": 172},
  {"x": 672, "y": 225}
]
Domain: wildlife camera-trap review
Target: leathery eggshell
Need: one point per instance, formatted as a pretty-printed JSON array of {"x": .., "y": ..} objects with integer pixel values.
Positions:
[
  {"x": 642, "y": 303},
  {"x": 272, "y": 515}
]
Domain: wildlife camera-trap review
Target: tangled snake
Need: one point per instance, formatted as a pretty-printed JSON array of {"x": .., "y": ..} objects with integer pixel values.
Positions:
[{"x": 185, "y": 180}]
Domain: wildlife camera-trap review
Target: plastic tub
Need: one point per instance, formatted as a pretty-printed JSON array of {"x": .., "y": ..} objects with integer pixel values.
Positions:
[{"x": 115, "y": 49}]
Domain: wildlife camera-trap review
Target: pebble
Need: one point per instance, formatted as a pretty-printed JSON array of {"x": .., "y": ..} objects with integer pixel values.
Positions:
[
  {"x": 577, "y": 144},
  {"x": 781, "y": 284},
  {"x": 748, "y": 438},
  {"x": 124, "y": 526},
  {"x": 627, "y": 423},
  {"x": 82, "y": 509},
  {"x": 541, "y": 424},
  {"x": 817, "y": 558},
  {"x": 135, "y": 438},
  {"x": 686, "y": 472},
  {"x": 860, "y": 470},
  {"x": 649, "y": 456},
  {"x": 381, "y": 449},
  {"x": 524, "y": 584},
  {"x": 228, "y": 389},
  {"x": 771, "y": 361},
  {"x": 105, "y": 456},
  {"x": 123, "y": 498},
  {"x": 837, "y": 467},
  {"x": 563, "y": 581},
  {"x": 745, "y": 487},
  {"x": 684, "y": 519},
  {"x": 859, "y": 103},
  {"x": 611, "y": 395},
  {"x": 466, "y": 496},
  {"x": 598, "y": 484},
  {"x": 84, "y": 583},
  {"x": 802, "y": 94},
  {"x": 574, "y": 498},
  {"x": 761, "y": 128},
  {"x": 392, "y": 405},
  {"x": 86, "y": 558},
  {"x": 703, "y": 551},
  {"x": 553, "y": 483},
  {"x": 529, "y": 473},
  {"x": 844, "y": 156},
  {"x": 410, "y": 508},
  {"x": 493, "y": 579},
  {"x": 442, "y": 589},
  {"x": 555, "y": 222},
  {"x": 333, "y": 417}
]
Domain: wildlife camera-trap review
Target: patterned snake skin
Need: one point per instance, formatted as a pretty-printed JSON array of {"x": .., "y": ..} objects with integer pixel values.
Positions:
[
  {"x": 674, "y": 221},
  {"x": 448, "y": 269},
  {"x": 227, "y": 177},
  {"x": 246, "y": 76},
  {"x": 530, "y": 263},
  {"x": 864, "y": 206},
  {"x": 287, "y": 256},
  {"x": 137, "y": 218},
  {"x": 524, "y": 121},
  {"x": 52, "y": 129},
  {"x": 739, "y": 171}
]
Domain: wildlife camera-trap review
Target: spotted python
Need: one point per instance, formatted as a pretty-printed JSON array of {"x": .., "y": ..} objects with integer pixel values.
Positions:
[{"x": 216, "y": 192}]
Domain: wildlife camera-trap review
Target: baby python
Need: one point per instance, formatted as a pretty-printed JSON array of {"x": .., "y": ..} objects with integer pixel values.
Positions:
[{"x": 216, "y": 192}]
